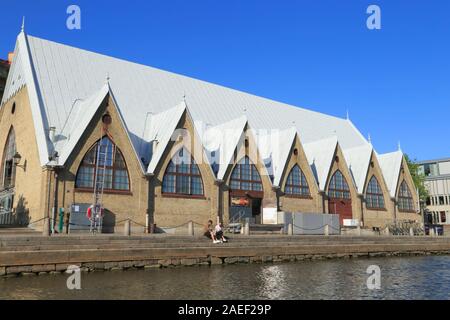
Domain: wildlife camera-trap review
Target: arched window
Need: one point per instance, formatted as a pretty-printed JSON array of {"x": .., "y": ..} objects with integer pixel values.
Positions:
[
  {"x": 374, "y": 195},
  {"x": 405, "y": 199},
  {"x": 182, "y": 176},
  {"x": 245, "y": 176},
  {"x": 296, "y": 183},
  {"x": 8, "y": 167},
  {"x": 110, "y": 160},
  {"x": 338, "y": 188}
]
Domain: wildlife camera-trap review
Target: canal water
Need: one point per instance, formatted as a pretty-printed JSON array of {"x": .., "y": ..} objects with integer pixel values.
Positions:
[{"x": 401, "y": 278}]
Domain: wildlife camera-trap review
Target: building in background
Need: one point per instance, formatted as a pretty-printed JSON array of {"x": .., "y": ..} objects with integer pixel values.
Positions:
[{"x": 437, "y": 182}]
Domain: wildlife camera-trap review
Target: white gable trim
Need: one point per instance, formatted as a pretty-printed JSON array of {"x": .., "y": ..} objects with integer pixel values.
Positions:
[{"x": 35, "y": 100}]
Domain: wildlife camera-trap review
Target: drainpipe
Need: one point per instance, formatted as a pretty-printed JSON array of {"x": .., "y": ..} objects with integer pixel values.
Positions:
[
  {"x": 46, "y": 226},
  {"x": 55, "y": 203},
  {"x": 395, "y": 210},
  {"x": 219, "y": 183},
  {"x": 278, "y": 195},
  {"x": 53, "y": 165},
  {"x": 323, "y": 195},
  {"x": 150, "y": 217},
  {"x": 361, "y": 196}
]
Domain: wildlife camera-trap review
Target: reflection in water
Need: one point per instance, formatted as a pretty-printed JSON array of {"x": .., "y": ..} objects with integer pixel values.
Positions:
[
  {"x": 402, "y": 278},
  {"x": 273, "y": 282}
]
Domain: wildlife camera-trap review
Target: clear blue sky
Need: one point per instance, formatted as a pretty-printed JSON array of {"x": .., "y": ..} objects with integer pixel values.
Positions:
[{"x": 315, "y": 54}]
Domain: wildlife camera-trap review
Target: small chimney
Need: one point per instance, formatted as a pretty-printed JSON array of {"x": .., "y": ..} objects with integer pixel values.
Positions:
[{"x": 10, "y": 57}]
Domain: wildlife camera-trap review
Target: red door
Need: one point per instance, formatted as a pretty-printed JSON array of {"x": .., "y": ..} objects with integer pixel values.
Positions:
[{"x": 342, "y": 207}]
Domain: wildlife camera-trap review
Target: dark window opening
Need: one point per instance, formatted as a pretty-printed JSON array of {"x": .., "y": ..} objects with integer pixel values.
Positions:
[
  {"x": 106, "y": 119},
  {"x": 8, "y": 167}
]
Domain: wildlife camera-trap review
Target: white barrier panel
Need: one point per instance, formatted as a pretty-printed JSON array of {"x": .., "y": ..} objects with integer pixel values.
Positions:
[
  {"x": 310, "y": 223},
  {"x": 351, "y": 222},
  {"x": 270, "y": 216}
]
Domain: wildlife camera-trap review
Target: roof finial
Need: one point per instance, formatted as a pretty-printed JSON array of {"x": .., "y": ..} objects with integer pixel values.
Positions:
[
  {"x": 369, "y": 138},
  {"x": 107, "y": 78},
  {"x": 399, "y": 146},
  {"x": 22, "y": 29},
  {"x": 184, "y": 97},
  {"x": 348, "y": 115}
]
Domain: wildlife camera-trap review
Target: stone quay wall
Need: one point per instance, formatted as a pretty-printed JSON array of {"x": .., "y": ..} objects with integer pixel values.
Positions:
[{"x": 54, "y": 255}]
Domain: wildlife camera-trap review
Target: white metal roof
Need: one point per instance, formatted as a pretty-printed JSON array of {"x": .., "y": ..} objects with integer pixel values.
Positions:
[
  {"x": 66, "y": 86},
  {"x": 65, "y": 75},
  {"x": 390, "y": 164},
  {"x": 160, "y": 131}
]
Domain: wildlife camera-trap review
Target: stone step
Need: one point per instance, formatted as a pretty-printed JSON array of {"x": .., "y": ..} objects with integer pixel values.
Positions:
[
  {"x": 198, "y": 242},
  {"x": 260, "y": 238},
  {"x": 19, "y": 241}
]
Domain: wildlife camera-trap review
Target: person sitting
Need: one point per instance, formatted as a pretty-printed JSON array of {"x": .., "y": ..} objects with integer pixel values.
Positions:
[
  {"x": 219, "y": 233},
  {"x": 209, "y": 231}
]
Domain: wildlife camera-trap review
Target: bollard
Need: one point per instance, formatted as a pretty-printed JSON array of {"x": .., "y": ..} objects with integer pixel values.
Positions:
[
  {"x": 247, "y": 228},
  {"x": 127, "y": 228},
  {"x": 190, "y": 228},
  {"x": 431, "y": 232},
  {"x": 290, "y": 230},
  {"x": 46, "y": 227},
  {"x": 358, "y": 230},
  {"x": 411, "y": 231},
  {"x": 326, "y": 230}
]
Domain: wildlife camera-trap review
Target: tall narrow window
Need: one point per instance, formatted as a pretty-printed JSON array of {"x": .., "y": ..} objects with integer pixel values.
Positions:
[
  {"x": 405, "y": 199},
  {"x": 112, "y": 169},
  {"x": 245, "y": 176},
  {"x": 8, "y": 167},
  {"x": 296, "y": 184},
  {"x": 338, "y": 188},
  {"x": 182, "y": 176},
  {"x": 374, "y": 195}
]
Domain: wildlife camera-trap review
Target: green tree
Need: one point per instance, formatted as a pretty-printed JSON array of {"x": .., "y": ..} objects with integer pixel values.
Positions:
[{"x": 419, "y": 179}]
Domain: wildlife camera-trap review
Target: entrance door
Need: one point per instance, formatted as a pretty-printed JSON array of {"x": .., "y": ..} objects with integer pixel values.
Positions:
[
  {"x": 340, "y": 200},
  {"x": 256, "y": 210},
  {"x": 342, "y": 207}
]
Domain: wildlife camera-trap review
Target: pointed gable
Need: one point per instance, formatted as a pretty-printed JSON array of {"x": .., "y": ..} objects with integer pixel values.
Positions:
[
  {"x": 275, "y": 148},
  {"x": 390, "y": 165},
  {"x": 82, "y": 114},
  {"x": 23, "y": 72},
  {"x": 358, "y": 160},
  {"x": 221, "y": 141},
  {"x": 161, "y": 129},
  {"x": 320, "y": 157}
]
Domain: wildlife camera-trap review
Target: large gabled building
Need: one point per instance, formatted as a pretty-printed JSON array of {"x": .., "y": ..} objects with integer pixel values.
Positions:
[{"x": 169, "y": 149}]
